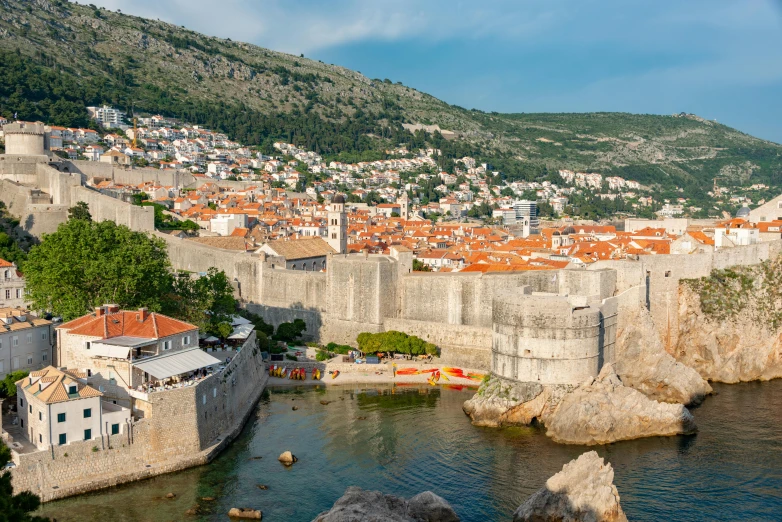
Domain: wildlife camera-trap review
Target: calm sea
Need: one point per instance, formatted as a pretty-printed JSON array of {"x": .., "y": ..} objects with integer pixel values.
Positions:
[{"x": 405, "y": 440}]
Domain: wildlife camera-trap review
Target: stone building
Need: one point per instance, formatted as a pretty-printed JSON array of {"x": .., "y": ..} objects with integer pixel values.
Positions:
[
  {"x": 58, "y": 407},
  {"x": 27, "y": 139},
  {"x": 25, "y": 341},
  {"x": 11, "y": 286},
  {"x": 308, "y": 253},
  {"x": 110, "y": 346},
  {"x": 338, "y": 225}
]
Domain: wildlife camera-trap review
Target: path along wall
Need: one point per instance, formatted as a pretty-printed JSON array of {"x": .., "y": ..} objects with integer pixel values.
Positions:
[{"x": 186, "y": 427}]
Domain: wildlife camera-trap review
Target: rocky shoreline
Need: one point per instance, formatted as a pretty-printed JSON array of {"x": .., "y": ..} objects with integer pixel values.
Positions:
[{"x": 583, "y": 491}]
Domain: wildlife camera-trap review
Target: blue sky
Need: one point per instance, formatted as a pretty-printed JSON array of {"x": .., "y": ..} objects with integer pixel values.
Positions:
[{"x": 719, "y": 59}]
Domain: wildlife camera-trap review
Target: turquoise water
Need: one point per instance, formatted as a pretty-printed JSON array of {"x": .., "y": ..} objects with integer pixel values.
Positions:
[{"x": 406, "y": 440}]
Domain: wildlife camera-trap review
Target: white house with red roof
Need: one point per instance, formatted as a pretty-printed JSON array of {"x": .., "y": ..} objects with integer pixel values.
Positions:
[
  {"x": 11, "y": 285},
  {"x": 125, "y": 350}
]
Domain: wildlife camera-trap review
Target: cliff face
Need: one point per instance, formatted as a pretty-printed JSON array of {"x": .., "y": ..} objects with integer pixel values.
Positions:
[
  {"x": 744, "y": 343},
  {"x": 730, "y": 323},
  {"x": 642, "y": 363}
]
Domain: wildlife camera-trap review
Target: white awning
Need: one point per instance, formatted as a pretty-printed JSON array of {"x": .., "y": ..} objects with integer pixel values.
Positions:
[
  {"x": 238, "y": 319},
  {"x": 176, "y": 363},
  {"x": 107, "y": 350},
  {"x": 242, "y": 331}
]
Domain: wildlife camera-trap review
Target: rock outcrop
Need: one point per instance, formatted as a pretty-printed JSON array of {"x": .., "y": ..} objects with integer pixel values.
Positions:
[
  {"x": 606, "y": 411},
  {"x": 642, "y": 363},
  {"x": 744, "y": 347},
  {"x": 287, "y": 458},
  {"x": 583, "y": 491},
  {"x": 358, "y": 505},
  {"x": 500, "y": 403}
]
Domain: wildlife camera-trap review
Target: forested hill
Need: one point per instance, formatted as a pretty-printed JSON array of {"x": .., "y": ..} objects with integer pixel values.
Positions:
[{"x": 57, "y": 57}]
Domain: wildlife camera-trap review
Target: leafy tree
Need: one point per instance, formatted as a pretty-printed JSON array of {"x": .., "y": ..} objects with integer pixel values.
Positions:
[
  {"x": 140, "y": 198},
  {"x": 289, "y": 332},
  {"x": 207, "y": 302},
  {"x": 80, "y": 211},
  {"x": 420, "y": 266},
  {"x": 15, "y": 508},
  {"x": 394, "y": 342},
  {"x": 222, "y": 330},
  {"x": 8, "y": 385},
  {"x": 10, "y": 250},
  {"x": 85, "y": 264}
]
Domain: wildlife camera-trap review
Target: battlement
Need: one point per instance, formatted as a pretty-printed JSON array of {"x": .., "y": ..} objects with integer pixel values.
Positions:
[
  {"x": 25, "y": 139},
  {"x": 24, "y": 128}
]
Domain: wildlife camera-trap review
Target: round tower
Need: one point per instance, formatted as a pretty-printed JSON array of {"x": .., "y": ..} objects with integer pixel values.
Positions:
[
  {"x": 338, "y": 225},
  {"x": 25, "y": 139},
  {"x": 548, "y": 339}
]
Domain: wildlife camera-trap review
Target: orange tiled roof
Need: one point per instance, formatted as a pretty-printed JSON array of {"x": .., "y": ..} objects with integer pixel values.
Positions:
[{"x": 124, "y": 322}]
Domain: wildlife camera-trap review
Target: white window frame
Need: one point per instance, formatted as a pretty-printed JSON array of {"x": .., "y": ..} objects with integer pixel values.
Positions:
[
  {"x": 166, "y": 345},
  {"x": 44, "y": 356},
  {"x": 186, "y": 340},
  {"x": 29, "y": 359},
  {"x": 30, "y": 338},
  {"x": 15, "y": 341}
]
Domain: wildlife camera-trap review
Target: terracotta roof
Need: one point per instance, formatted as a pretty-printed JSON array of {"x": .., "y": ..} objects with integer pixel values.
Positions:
[
  {"x": 126, "y": 323},
  {"x": 224, "y": 242},
  {"x": 5, "y": 264},
  {"x": 51, "y": 385},
  {"x": 300, "y": 248}
]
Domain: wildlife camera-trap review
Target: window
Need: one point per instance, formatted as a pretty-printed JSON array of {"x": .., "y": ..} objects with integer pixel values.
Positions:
[
  {"x": 166, "y": 345},
  {"x": 63, "y": 439},
  {"x": 203, "y": 399},
  {"x": 8, "y": 294},
  {"x": 30, "y": 407},
  {"x": 40, "y": 438},
  {"x": 60, "y": 417},
  {"x": 29, "y": 338},
  {"x": 44, "y": 356},
  {"x": 72, "y": 389},
  {"x": 2, "y": 364},
  {"x": 87, "y": 434},
  {"x": 21, "y": 402},
  {"x": 86, "y": 345},
  {"x": 29, "y": 360},
  {"x": 40, "y": 416},
  {"x": 15, "y": 341},
  {"x": 15, "y": 363},
  {"x": 214, "y": 392},
  {"x": 44, "y": 335},
  {"x": 186, "y": 340},
  {"x": 87, "y": 413},
  {"x": 115, "y": 429},
  {"x": 18, "y": 293}
]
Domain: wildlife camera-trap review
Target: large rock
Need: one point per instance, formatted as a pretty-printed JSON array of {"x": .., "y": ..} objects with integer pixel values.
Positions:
[
  {"x": 744, "y": 347},
  {"x": 642, "y": 363},
  {"x": 288, "y": 458},
  {"x": 605, "y": 411},
  {"x": 583, "y": 491},
  {"x": 501, "y": 403},
  {"x": 358, "y": 505}
]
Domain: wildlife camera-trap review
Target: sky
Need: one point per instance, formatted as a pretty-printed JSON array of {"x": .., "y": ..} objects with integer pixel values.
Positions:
[{"x": 719, "y": 59}]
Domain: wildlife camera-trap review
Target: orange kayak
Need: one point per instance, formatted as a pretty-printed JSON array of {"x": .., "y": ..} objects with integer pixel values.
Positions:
[
  {"x": 335, "y": 374},
  {"x": 407, "y": 371}
]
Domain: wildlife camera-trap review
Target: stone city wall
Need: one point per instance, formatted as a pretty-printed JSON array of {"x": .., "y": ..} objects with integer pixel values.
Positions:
[{"x": 185, "y": 427}]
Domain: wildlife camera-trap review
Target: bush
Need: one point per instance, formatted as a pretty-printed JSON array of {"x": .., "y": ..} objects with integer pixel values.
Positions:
[
  {"x": 394, "y": 342},
  {"x": 291, "y": 357},
  {"x": 262, "y": 340},
  {"x": 288, "y": 332},
  {"x": 322, "y": 356},
  {"x": 341, "y": 349}
]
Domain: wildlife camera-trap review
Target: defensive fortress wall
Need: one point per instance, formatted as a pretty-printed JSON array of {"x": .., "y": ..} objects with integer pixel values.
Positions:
[{"x": 183, "y": 428}]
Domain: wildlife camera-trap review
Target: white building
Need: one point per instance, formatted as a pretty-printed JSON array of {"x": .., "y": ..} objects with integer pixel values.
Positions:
[
  {"x": 224, "y": 224},
  {"x": 732, "y": 237},
  {"x": 58, "y": 407},
  {"x": 25, "y": 341},
  {"x": 11, "y": 285},
  {"x": 108, "y": 117}
]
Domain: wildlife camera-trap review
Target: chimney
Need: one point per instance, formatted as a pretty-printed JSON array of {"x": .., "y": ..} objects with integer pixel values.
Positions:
[
  {"x": 142, "y": 314},
  {"x": 99, "y": 311},
  {"x": 111, "y": 308}
]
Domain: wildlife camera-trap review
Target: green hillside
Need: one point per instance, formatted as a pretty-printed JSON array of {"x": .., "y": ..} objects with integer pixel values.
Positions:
[{"x": 57, "y": 57}]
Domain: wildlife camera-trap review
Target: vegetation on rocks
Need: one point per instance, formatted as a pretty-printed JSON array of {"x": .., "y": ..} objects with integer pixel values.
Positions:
[{"x": 755, "y": 289}]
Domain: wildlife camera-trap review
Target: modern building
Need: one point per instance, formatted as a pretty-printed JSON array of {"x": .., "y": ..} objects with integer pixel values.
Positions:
[
  {"x": 225, "y": 224},
  {"x": 527, "y": 210},
  {"x": 114, "y": 348},
  {"x": 25, "y": 341},
  {"x": 12, "y": 293},
  {"x": 58, "y": 407},
  {"x": 106, "y": 116}
]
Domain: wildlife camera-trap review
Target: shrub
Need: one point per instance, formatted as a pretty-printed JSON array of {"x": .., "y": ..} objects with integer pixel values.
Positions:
[
  {"x": 288, "y": 332},
  {"x": 322, "y": 356},
  {"x": 291, "y": 357},
  {"x": 394, "y": 342}
]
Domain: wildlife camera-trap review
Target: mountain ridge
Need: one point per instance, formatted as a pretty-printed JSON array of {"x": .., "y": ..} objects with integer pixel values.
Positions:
[{"x": 258, "y": 95}]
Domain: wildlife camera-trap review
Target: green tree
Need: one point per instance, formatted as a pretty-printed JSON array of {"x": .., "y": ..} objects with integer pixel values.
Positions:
[
  {"x": 206, "y": 302},
  {"x": 8, "y": 385},
  {"x": 80, "y": 211},
  {"x": 289, "y": 332},
  {"x": 10, "y": 250},
  {"x": 85, "y": 264},
  {"x": 420, "y": 266},
  {"x": 15, "y": 508}
]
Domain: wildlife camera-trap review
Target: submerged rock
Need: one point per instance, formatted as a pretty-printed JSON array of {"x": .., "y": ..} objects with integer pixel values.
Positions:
[
  {"x": 247, "y": 513},
  {"x": 358, "y": 505},
  {"x": 642, "y": 363},
  {"x": 583, "y": 491},
  {"x": 605, "y": 411}
]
